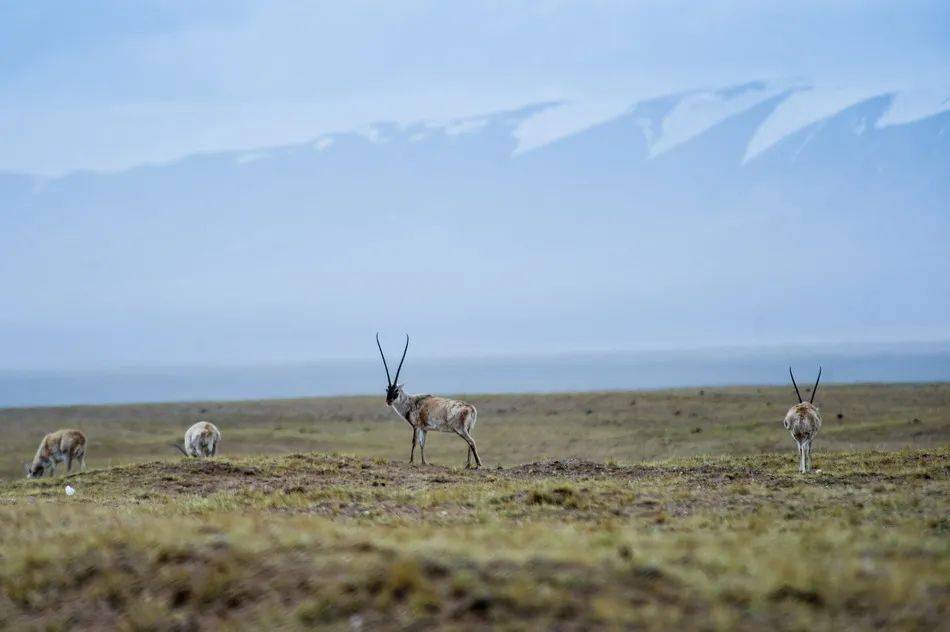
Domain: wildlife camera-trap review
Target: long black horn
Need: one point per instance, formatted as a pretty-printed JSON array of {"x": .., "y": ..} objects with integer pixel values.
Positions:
[
  {"x": 800, "y": 400},
  {"x": 815, "y": 390},
  {"x": 180, "y": 449},
  {"x": 389, "y": 381},
  {"x": 402, "y": 360}
]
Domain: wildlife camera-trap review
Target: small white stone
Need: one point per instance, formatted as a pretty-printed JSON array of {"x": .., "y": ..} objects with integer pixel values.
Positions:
[
  {"x": 69, "y": 490},
  {"x": 817, "y": 471}
]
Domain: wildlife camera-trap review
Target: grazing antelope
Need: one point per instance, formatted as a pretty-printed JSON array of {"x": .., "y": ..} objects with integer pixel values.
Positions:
[
  {"x": 804, "y": 422},
  {"x": 428, "y": 412},
  {"x": 200, "y": 440},
  {"x": 62, "y": 446}
]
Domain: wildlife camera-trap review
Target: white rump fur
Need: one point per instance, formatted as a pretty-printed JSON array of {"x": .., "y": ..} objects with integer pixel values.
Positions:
[
  {"x": 202, "y": 439},
  {"x": 803, "y": 421}
]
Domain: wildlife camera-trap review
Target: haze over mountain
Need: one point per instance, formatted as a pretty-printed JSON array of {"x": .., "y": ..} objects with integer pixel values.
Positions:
[{"x": 697, "y": 218}]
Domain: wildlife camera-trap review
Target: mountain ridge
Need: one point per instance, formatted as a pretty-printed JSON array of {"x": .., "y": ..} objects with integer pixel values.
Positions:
[
  {"x": 648, "y": 113},
  {"x": 250, "y": 252}
]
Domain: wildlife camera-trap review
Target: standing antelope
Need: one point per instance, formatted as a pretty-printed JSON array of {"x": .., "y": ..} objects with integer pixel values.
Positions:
[
  {"x": 58, "y": 447},
  {"x": 804, "y": 422},
  {"x": 428, "y": 412},
  {"x": 200, "y": 440}
]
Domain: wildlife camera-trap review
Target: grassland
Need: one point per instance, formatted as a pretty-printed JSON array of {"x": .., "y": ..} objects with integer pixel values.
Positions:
[
  {"x": 629, "y": 427},
  {"x": 672, "y": 509}
]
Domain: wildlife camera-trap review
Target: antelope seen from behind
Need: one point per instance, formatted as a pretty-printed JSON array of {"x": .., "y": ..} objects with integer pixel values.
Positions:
[
  {"x": 803, "y": 422},
  {"x": 62, "y": 446},
  {"x": 201, "y": 440},
  {"x": 428, "y": 412}
]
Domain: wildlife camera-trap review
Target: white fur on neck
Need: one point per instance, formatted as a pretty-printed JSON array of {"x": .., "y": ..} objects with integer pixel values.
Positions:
[{"x": 401, "y": 404}]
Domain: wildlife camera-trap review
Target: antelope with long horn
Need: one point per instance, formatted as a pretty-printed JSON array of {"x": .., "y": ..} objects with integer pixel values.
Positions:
[
  {"x": 803, "y": 422},
  {"x": 428, "y": 412}
]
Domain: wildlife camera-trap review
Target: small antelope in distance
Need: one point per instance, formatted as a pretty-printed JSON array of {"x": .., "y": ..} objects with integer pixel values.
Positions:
[
  {"x": 428, "y": 412},
  {"x": 804, "y": 422},
  {"x": 200, "y": 440},
  {"x": 62, "y": 446}
]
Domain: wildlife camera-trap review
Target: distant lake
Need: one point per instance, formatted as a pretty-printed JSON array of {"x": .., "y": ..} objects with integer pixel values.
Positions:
[{"x": 918, "y": 362}]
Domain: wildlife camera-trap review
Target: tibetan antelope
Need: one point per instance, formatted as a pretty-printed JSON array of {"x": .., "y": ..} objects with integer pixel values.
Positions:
[
  {"x": 62, "y": 446},
  {"x": 200, "y": 440},
  {"x": 428, "y": 412},
  {"x": 804, "y": 422}
]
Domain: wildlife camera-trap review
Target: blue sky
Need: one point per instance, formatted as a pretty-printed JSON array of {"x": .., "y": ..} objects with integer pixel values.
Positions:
[
  {"x": 111, "y": 84},
  {"x": 658, "y": 227}
]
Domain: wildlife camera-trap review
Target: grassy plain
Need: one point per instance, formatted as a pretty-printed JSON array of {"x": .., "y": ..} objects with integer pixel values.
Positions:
[
  {"x": 667, "y": 509},
  {"x": 623, "y": 426}
]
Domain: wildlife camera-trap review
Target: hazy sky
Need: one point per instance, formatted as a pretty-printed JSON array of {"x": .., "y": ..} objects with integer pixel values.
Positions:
[
  {"x": 110, "y": 84},
  {"x": 474, "y": 244}
]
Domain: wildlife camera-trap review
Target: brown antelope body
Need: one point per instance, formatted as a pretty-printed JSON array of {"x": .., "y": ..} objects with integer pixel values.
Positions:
[
  {"x": 428, "y": 412},
  {"x": 803, "y": 422},
  {"x": 201, "y": 440},
  {"x": 62, "y": 446}
]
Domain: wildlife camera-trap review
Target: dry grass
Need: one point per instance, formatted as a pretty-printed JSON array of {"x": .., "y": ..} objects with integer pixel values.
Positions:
[
  {"x": 293, "y": 541},
  {"x": 640, "y": 532},
  {"x": 511, "y": 429}
]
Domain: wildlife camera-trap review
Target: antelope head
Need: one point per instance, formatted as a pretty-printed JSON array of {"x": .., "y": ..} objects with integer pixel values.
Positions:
[
  {"x": 392, "y": 385},
  {"x": 813, "y": 391}
]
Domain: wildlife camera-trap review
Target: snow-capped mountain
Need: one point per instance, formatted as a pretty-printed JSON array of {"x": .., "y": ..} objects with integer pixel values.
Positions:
[{"x": 709, "y": 216}]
